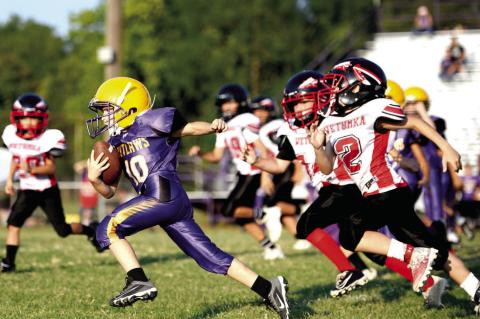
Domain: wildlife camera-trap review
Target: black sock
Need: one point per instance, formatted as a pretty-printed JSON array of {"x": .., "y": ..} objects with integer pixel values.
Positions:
[
  {"x": 11, "y": 253},
  {"x": 137, "y": 274},
  {"x": 266, "y": 243},
  {"x": 262, "y": 287},
  {"x": 357, "y": 261},
  {"x": 87, "y": 230}
]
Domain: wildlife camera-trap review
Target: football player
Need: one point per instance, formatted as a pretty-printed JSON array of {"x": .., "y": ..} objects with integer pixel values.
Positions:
[
  {"x": 338, "y": 197},
  {"x": 34, "y": 149},
  {"x": 279, "y": 206},
  {"x": 232, "y": 101},
  {"x": 357, "y": 132},
  {"x": 147, "y": 141}
]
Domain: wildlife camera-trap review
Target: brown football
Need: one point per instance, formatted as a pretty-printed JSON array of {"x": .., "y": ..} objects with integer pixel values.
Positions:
[{"x": 112, "y": 173}]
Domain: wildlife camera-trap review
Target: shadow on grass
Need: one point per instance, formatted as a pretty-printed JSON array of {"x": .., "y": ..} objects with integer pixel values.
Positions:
[{"x": 217, "y": 309}]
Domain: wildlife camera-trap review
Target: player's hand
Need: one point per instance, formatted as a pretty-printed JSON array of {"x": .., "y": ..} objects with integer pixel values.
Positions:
[
  {"x": 249, "y": 155},
  {"x": 9, "y": 189},
  {"x": 266, "y": 184},
  {"x": 218, "y": 126},
  {"x": 316, "y": 136},
  {"x": 452, "y": 158},
  {"x": 96, "y": 166},
  {"x": 194, "y": 151},
  {"x": 423, "y": 182}
]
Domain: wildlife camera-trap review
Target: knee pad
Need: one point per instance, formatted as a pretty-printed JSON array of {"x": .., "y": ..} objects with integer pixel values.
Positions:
[
  {"x": 63, "y": 230},
  {"x": 244, "y": 221}
]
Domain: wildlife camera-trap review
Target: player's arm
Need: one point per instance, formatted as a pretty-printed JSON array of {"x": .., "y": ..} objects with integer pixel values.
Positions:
[
  {"x": 201, "y": 128},
  {"x": 213, "y": 156},
  {"x": 9, "y": 189},
  {"x": 422, "y": 162},
  {"x": 324, "y": 154},
  {"x": 48, "y": 168},
  {"x": 270, "y": 165},
  {"x": 95, "y": 168},
  {"x": 450, "y": 155}
]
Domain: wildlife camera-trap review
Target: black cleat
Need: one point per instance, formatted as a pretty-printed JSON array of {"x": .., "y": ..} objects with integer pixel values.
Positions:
[
  {"x": 476, "y": 301},
  {"x": 277, "y": 297},
  {"x": 7, "y": 266},
  {"x": 134, "y": 291},
  {"x": 347, "y": 281}
]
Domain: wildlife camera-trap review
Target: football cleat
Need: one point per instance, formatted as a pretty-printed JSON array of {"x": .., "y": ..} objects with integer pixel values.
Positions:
[
  {"x": 433, "y": 295},
  {"x": 134, "y": 291},
  {"x": 347, "y": 281},
  {"x": 7, "y": 266},
  {"x": 371, "y": 273},
  {"x": 301, "y": 244},
  {"x": 421, "y": 263},
  {"x": 277, "y": 297},
  {"x": 476, "y": 301},
  {"x": 273, "y": 253},
  {"x": 272, "y": 222}
]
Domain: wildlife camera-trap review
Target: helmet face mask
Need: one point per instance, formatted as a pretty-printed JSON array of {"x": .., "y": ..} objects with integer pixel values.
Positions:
[
  {"x": 117, "y": 103},
  {"x": 264, "y": 107},
  {"x": 30, "y": 106},
  {"x": 303, "y": 87}
]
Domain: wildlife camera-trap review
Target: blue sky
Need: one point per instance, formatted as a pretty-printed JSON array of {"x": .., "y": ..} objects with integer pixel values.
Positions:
[{"x": 54, "y": 13}]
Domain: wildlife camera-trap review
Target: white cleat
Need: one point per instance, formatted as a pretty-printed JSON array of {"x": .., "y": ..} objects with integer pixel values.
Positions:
[
  {"x": 370, "y": 273},
  {"x": 421, "y": 265},
  {"x": 433, "y": 295},
  {"x": 273, "y": 253},
  {"x": 272, "y": 222},
  {"x": 301, "y": 244}
]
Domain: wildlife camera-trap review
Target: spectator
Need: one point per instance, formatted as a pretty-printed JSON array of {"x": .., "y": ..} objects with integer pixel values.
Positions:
[
  {"x": 423, "y": 21},
  {"x": 453, "y": 61}
]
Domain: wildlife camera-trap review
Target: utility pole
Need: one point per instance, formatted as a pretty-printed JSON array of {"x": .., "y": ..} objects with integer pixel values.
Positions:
[{"x": 114, "y": 37}]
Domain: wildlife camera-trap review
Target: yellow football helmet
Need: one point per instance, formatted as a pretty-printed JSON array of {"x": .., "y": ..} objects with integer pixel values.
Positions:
[
  {"x": 417, "y": 94},
  {"x": 117, "y": 103},
  {"x": 395, "y": 92}
]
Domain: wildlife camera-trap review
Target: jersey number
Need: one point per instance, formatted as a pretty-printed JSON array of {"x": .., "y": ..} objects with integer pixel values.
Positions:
[
  {"x": 349, "y": 150},
  {"x": 137, "y": 168},
  {"x": 235, "y": 146}
]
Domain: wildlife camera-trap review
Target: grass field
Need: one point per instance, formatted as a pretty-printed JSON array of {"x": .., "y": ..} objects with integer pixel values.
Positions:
[{"x": 66, "y": 278}]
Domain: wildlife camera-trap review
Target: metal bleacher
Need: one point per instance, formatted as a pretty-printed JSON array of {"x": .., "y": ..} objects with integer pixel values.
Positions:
[{"x": 415, "y": 60}]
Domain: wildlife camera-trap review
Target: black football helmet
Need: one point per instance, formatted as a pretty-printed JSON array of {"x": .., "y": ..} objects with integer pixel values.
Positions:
[
  {"x": 305, "y": 85},
  {"x": 264, "y": 103},
  {"x": 29, "y": 105},
  {"x": 346, "y": 75},
  {"x": 233, "y": 92}
]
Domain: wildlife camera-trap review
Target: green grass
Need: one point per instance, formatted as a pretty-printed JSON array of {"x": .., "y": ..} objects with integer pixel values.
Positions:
[{"x": 65, "y": 278}]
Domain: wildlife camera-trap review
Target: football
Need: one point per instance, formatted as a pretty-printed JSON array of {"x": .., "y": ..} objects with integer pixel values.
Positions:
[{"x": 111, "y": 174}]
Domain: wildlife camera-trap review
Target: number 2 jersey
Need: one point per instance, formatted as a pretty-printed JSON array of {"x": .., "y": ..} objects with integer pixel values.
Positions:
[
  {"x": 34, "y": 152},
  {"x": 362, "y": 147},
  {"x": 242, "y": 131},
  {"x": 148, "y": 153},
  {"x": 295, "y": 144}
]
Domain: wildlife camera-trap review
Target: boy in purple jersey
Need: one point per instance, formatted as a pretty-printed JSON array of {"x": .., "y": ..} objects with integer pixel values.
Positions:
[{"x": 148, "y": 141}]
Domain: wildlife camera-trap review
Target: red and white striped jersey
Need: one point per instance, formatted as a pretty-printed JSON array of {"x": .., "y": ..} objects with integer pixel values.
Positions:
[
  {"x": 268, "y": 135},
  {"x": 303, "y": 151},
  {"x": 33, "y": 151},
  {"x": 362, "y": 149},
  {"x": 242, "y": 131}
]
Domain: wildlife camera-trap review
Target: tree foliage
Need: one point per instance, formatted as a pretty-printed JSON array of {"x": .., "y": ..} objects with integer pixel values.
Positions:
[{"x": 182, "y": 50}]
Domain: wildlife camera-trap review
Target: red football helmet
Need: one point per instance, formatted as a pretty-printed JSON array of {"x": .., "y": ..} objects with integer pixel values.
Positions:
[
  {"x": 29, "y": 105},
  {"x": 306, "y": 85}
]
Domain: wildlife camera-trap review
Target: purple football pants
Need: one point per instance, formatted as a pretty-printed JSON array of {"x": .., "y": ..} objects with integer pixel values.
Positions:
[
  {"x": 433, "y": 194},
  {"x": 175, "y": 217}
]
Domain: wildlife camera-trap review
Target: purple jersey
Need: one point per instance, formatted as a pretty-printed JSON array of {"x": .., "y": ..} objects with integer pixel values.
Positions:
[
  {"x": 470, "y": 183},
  {"x": 404, "y": 140},
  {"x": 147, "y": 150}
]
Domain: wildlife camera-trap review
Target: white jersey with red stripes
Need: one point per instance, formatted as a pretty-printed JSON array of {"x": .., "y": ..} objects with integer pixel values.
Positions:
[
  {"x": 242, "y": 131},
  {"x": 362, "y": 149},
  {"x": 34, "y": 152},
  {"x": 305, "y": 154},
  {"x": 268, "y": 135}
]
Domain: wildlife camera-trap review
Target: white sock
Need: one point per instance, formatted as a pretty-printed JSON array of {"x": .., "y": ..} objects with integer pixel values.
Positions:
[
  {"x": 396, "y": 249},
  {"x": 470, "y": 285}
]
